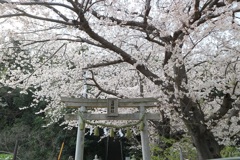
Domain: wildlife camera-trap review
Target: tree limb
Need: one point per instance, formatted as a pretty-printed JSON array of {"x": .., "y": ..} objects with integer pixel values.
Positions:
[
  {"x": 83, "y": 40},
  {"x": 20, "y": 81},
  {"x": 126, "y": 57},
  {"x": 195, "y": 44},
  {"x": 226, "y": 105},
  {"x": 58, "y": 13},
  {"x": 37, "y": 3},
  {"x": 147, "y": 11},
  {"x": 196, "y": 5},
  {"x": 141, "y": 26},
  {"x": 36, "y": 17},
  {"x": 104, "y": 64},
  {"x": 102, "y": 89},
  {"x": 154, "y": 41},
  {"x": 90, "y": 5},
  {"x": 197, "y": 64}
]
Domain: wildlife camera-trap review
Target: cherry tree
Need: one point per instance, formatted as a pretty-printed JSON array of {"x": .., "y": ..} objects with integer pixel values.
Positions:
[{"x": 185, "y": 53}]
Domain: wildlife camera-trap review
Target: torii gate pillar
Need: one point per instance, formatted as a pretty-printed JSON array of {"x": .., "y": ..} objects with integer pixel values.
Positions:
[
  {"x": 79, "y": 151},
  {"x": 144, "y": 137}
]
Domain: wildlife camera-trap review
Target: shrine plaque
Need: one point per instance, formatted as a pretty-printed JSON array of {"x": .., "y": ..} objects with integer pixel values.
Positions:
[{"x": 112, "y": 104}]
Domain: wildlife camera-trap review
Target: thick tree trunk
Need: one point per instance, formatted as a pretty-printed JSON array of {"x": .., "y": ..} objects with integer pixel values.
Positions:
[
  {"x": 202, "y": 138},
  {"x": 204, "y": 141},
  {"x": 192, "y": 115},
  {"x": 206, "y": 145}
]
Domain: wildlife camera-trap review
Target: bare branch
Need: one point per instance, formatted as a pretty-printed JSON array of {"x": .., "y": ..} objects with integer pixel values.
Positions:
[
  {"x": 141, "y": 26},
  {"x": 229, "y": 63},
  {"x": 195, "y": 65},
  {"x": 234, "y": 88},
  {"x": 75, "y": 5},
  {"x": 153, "y": 40},
  {"x": 12, "y": 15},
  {"x": 83, "y": 40},
  {"x": 41, "y": 30},
  {"x": 205, "y": 5},
  {"x": 36, "y": 17},
  {"x": 38, "y": 3},
  {"x": 208, "y": 17},
  {"x": 212, "y": 3},
  {"x": 147, "y": 11},
  {"x": 91, "y": 4},
  {"x": 88, "y": 1},
  {"x": 124, "y": 23},
  {"x": 104, "y": 64},
  {"x": 195, "y": 44},
  {"x": 58, "y": 13},
  {"x": 222, "y": 111},
  {"x": 196, "y": 5},
  {"x": 102, "y": 89},
  {"x": 199, "y": 14},
  {"x": 20, "y": 81}
]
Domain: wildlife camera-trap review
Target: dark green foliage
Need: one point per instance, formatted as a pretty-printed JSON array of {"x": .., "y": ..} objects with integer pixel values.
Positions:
[
  {"x": 93, "y": 146},
  {"x": 35, "y": 141},
  {"x": 175, "y": 148},
  {"x": 230, "y": 151},
  {"x": 215, "y": 93}
]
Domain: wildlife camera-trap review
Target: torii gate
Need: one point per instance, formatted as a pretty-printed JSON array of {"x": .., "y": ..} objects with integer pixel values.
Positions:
[{"x": 112, "y": 105}]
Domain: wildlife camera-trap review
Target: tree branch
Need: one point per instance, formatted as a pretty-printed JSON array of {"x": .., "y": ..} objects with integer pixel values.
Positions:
[
  {"x": 195, "y": 44},
  {"x": 58, "y": 13},
  {"x": 212, "y": 3},
  {"x": 195, "y": 65},
  {"x": 205, "y": 5},
  {"x": 104, "y": 64},
  {"x": 198, "y": 13},
  {"x": 153, "y": 40},
  {"x": 147, "y": 11},
  {"x": 226, "y": 105},
  {"x": 196, "y": 5},
  {"x": 40, "y": 3},
  {"x": 126, "y": 57},
  {"x": 91, "y": 4},
  {"x": 102, "y": 89},
  {"x": 207, "y": 17},
  {"x": 41, "y": 30},
  {"x": 67, "y": 39},
  {"x": 36, "y": 17},
  {"x": 141, "y": 26},
  {"x": 123, "y": 23},
  {"x": 20, "y": 81}
]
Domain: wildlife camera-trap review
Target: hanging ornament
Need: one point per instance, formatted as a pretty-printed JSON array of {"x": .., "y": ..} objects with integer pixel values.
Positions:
[
  {"x": 141, "y": 127},
  {"x": 96, "y": 131},
  {"x": 111, "y": 133},
  {"x": 105, "y": 131},
  {"x": 91, "y": 129},
  {"x": 128, "y": 133},
  {"x": 120, "y": 133},
  {"x": 82, "y": 125}
]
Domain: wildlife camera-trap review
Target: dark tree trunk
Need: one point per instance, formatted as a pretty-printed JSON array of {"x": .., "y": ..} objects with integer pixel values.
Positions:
[
  {"x": 206, "y": 145},
  {"x": 202, "y": 138},
  {"x": 204, "y": 141},
  {"x": 192, "y": 115}
]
